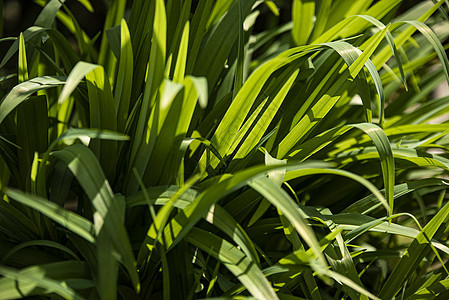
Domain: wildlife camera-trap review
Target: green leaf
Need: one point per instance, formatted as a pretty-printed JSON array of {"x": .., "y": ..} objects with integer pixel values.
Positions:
[
  {"x": 87, "y": 5},
  {"x": 303, "y": 12},
  {"x": 159, "y": 139},
  {"x": 390, "y": 40},
  {"x": 304, "y": 172},
  {"x": 251, "y": 134},
  {"x": 243, "y": 268},
  {"x": 435, "y": 42},
  {"x": 24, "y": 90},
  {"x": 198, "y": 30},
  {"x": 235, "y": 115},
  {"x": 159, "y": 195},
  {"x": 107, "y": 264},
  {"x": 78, "y": 72},
  {"x": 75, "y": 133},
  {"x": 181, "y": 61},
  {"x": 385, "y": 54},
  {"x": 413, "y": 256},
  {"x": 226, "y": 223},
  {"x": 146, "y": 131},
  {"x": 45, "y": 279},
  {"x": 102, "y": 113},
  {"x": 68, "y": 219},
  {"x": 160, "y": 221},
  {"x": 215, "y": 50},
  {"x": 47, "y": 16},
  {"x": 46, "y": 243},
  {"x": 182, "y": 223},
  {"x": 85, "y": 167},
  {"x": 22, "y": 65},
  {"x": 216, "y": 215},
  {"x": 115, "y": 14},
  {"x": 322, "y": 16},
  {"x": 386, "y": 159},
  {"x": 370, "y": 203},
  {"x": 431, "y": 291},
  {"x": 238, "y": 79},
  {"x": 280, "y": 199},
  {"x": 317, "y": 106},
  {"x": 31, "y": 138}
]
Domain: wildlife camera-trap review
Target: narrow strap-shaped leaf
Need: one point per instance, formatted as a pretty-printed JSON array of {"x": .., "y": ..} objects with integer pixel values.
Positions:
[
  {"x": 160, "y": 220},
  {"x": 243, "y": 268},
  {"x": 215, "y": 50},
  {"x": 351, "y": 26},
  {"x": 17, "y": 224},
  {"x": 123, "y": 84},
  {"x": 220, "y": 8},
  {"x": 195, "y": 91},
  {"x": 159, "y": 138},
  {"x": 315, "y": 144},
  {"x": 22, "y": 66},
  {"x": 45, "y": 243},
  {"x": 114, "y": 14},
  {"x": 238, "y": 79},
  {"x": 437, "y": 288},
  {"x": 72, "y": 221},
  {"x": 154, "y": 77},
  {"x": 47, "y": 16},
  {"x": 102, "y": 115},
  {"x": 181, "y": 61},
  {"x": 230, "y": 124},
  {"x": 310, "y": 171},
  {"x": 255, "y": 131},
  {"x": 355, "y": 59},
  {"x": 72, "y": 133},
  {"x": 45, "y": 279},
  {"x": 68, "y": 55},
  {"x": 435, "y": 42},
  {"x": 411, "y": 157},
  {"x": 316, "y": 109},
  {"x": 413, "y": 256},
  {"x": 50, "y": 286},
  {"x": 216, "y": 215},
  {"x": 370, "y": 203},
  {"x": 363, "y": 60},
  {"x": 107, "y": 264},
  {"x": 27, "y": 35},
  {"x": 322, "y": 17},
  {"x": 82, "y": 38},
  {"x": 386, "y": 158},
  {"x": 198, "y": 30},
  {"x": 299, "y": 259},
  {"x": 280, "y": 199},
  {"x": 78, "y": 72},
  {"x": 303, "y": 12},
  {"x": 31, "y": 138},
  {"x": 87, "y": 5},
  {"x": 86, "y": 168},
  {"x": 390, "y": 40},
  {"x": 225, "y": 222},
  {"x": 338, "y": 255},
  {"x": 182, "y": 223},
  {"x": 23, "y": 91},
  {"x": 384, "y": 55}
]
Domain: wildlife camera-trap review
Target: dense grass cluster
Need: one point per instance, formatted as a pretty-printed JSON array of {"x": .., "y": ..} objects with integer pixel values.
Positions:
[{"x": 234, "y": 149}]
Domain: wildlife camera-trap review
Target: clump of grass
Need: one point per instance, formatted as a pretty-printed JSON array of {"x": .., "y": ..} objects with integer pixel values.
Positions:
[{"x": 216, "y": 149}]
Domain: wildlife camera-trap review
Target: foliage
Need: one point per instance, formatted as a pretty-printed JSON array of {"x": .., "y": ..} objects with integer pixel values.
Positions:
[{"x": 198, "y": 149}]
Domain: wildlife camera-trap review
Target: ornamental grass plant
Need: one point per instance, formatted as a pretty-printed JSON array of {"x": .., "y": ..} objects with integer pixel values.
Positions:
[{"x": 227, "y": 149}]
